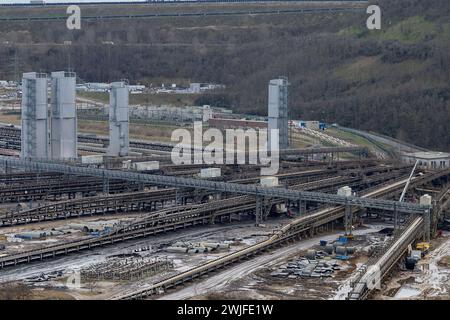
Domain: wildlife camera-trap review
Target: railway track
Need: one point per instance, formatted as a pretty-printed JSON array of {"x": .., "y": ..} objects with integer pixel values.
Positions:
[
  {"x": 41, "y": 190},
  {"x": 21, "y": 177},
  {"x": 12, "y": 140},
  {"x": 129, "y": 202},
  {"x": 22, "y": 186},
  {"x": 149, "y": 200},
  {"x": 74, "y": 208},
  {"x": 18, "y": 187},
  {"x": 11, "y": 136}
]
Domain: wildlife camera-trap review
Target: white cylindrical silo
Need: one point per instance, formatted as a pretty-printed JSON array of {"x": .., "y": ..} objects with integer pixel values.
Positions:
[
  {"x": 278, "y": 112},
  {"x": 118, "y": 120},
  {"x": 63, "y": 116},
  {"x": 35, "y": 133}
]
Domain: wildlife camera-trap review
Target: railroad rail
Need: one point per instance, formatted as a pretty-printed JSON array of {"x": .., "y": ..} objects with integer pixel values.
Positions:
[
  {"x": 217, "y": 186},
  {"x": 8, "y": 178},
  {"x": 24, "y": 186},
  {"x": 12, "y": 134},
  {"x": 124, "y": 202},
  {"x": 148, "y": 201}
]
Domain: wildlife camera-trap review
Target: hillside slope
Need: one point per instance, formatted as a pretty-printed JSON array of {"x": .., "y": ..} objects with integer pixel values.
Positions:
[{"x": 395, "y": 81}]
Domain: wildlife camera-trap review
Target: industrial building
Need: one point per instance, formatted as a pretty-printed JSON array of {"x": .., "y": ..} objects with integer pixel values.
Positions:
[
  {"x": 63, "y": 136},
  {"x": 34, "y": 141},
  {"x": 118, "y": 120},
  {"x": 428, "y": 159},
  {"x": 314, "y": 125},
  {"x": 278, "y": 111}
]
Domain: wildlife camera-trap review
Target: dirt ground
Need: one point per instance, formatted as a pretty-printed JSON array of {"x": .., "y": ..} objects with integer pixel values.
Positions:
[
  {"x": 151, "y": 131},
  {"x": 261, "y": 285},
  {"x": 250, "y": 280},
  {"x": 19, "y": 291},
  {"x": 237, "y": 235},
  {"x": 253, "y": 279},
  {"x": 70, "y": 235}
]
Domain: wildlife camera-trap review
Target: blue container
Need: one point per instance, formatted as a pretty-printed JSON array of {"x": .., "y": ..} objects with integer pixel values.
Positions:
[
  {"x": 323, "y": 243},
  {"x": 343, "y": 239}
]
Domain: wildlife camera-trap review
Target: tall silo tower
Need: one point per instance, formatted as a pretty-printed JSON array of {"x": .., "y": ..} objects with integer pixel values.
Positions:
[
  {"x": 63, "y": 116},
  {"x": 278, "y": 111},
  {"x": 35, "y": 134},
  {"x": 118, "y": 120}
]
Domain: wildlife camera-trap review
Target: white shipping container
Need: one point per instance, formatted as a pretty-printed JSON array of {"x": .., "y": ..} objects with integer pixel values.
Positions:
[
  {"x": 345, "y": 191},
  {"x": 281, "y": 208},
  {"x": 210, "y": 173},
  {"x": 416, "y": 254},
  {"x": 425, "y": 199},
  {"x": 126, "y": 164},
  {"x": 269, "y": 181},
  {"x": 146, "y": 166},
  {"x": 92, "y": 159}
]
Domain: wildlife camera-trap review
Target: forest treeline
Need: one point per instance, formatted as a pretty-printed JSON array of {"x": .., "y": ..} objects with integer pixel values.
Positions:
[{"x": 395, "y": 81}]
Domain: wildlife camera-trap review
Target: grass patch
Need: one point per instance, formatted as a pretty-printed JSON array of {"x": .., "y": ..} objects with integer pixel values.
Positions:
[
  {"x": 360, "y": 70},
  {"x": 150, "y": 131},
  {"x": 356, "y": 31},
  {"x": 171, "y": 99},
  {"x": 353, "y": 138},
  {"x": 372, "y": 69},
  {"x": 412, "y": 30}
]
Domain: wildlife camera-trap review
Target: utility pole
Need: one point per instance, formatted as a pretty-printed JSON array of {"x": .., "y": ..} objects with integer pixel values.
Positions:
[{"x": 16, "y": 66}]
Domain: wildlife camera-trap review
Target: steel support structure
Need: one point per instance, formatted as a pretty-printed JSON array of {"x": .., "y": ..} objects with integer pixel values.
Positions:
[
  {"x": 259, "y": 210},
  {"x": 217, "y": 186},
  {"x": 348, "y": 218},
  {"x": 396, "y": 224},
  {"x": 427, "y": 225}
]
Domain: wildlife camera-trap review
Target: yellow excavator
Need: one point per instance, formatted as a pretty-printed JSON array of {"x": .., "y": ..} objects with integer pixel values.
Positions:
[{"x": 424, "y": 247}]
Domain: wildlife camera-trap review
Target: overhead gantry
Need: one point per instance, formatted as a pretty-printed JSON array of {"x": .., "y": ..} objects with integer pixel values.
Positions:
[{"x": 226, "y": 187}]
